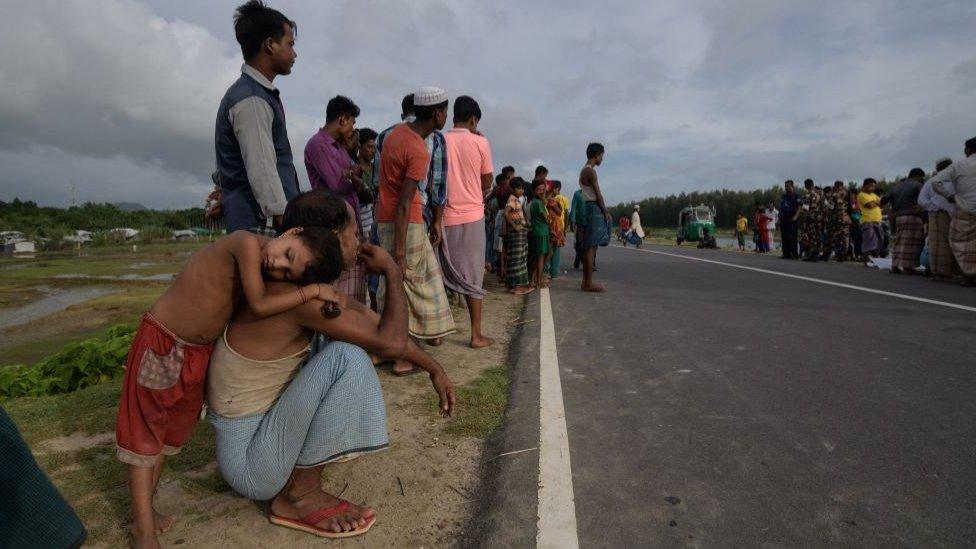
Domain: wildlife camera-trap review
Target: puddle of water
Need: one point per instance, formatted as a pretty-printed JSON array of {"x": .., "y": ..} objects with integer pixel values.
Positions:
[
  {"x": 14, "y": 266},
  {"x": 130, "y": 276},
  {"x": 58, "y": 300}
]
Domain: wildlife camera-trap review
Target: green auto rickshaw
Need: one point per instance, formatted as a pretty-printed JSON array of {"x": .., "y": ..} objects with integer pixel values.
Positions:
[{"x": 693, "y": 221}]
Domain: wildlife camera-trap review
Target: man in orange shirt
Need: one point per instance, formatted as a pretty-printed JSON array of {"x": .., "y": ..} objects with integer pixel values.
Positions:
[{"x": 400, "y": 222}]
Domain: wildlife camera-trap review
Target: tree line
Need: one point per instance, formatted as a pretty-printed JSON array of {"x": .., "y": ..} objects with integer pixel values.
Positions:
[
  {"x": 45, "y": 221},
  {"x": 663, "y": 211}
]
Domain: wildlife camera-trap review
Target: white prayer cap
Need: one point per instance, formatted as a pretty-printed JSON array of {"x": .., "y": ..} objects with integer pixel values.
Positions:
[
  {"x": 636, "y": 206},
  {"x": 429, "y": 96}
]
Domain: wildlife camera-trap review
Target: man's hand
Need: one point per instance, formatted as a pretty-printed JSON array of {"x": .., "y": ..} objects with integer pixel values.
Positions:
[
  {"x": 445, "y": 393},
  {"x": 327, "y": 292},
  {"x": 376, "y": 259},
  {"x": 435, "y": 233}
]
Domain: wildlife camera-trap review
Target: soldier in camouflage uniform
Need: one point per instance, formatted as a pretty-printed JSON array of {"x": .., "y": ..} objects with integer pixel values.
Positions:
[
  {"x": 839, "y": 224},
  {"x": 814, "y": 222}
]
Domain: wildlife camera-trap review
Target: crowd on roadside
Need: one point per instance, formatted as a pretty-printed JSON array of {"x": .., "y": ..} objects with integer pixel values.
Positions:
[
  {"x": 925, "y": 222},
  {"x": 278, "y": 325}
]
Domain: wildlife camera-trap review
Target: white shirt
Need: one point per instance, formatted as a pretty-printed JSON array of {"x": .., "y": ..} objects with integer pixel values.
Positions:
[
  {"x": 635, "y": 224},
  {"x": 962, "y": 175},
  {"x": 934, "y": 202}
]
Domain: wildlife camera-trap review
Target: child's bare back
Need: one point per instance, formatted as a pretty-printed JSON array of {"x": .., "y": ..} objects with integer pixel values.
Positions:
[{"x": 200, "y": 302}]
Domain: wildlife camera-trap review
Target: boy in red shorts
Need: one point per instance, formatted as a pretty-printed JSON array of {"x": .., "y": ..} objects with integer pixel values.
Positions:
[{"x": 165, "y": 377}]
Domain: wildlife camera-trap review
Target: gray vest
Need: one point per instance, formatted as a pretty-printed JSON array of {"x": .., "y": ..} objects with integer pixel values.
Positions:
[{"x": 241, "y": 210}]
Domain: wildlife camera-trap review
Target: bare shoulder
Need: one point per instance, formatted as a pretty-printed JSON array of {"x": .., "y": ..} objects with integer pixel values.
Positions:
[{"x": 587, "y": 175}]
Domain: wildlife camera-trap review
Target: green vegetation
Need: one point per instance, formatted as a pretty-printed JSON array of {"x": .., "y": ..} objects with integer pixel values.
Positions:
[
  {"x": 481, "y": 404},
  {"x": 53, "y": 224},
  {"x": 74, "y": 367}
]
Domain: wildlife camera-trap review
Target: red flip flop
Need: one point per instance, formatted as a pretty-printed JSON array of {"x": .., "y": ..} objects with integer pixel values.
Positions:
[{"x": 308, "y": 523}]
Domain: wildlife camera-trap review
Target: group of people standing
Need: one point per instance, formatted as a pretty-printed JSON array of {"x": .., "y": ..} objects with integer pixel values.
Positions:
[
  {"x": 529, "y": 222},
  {"x": 932, "y": 219}
]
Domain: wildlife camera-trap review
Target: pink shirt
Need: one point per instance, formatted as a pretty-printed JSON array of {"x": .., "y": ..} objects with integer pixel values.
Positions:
[{"x": 468, "y": 158}]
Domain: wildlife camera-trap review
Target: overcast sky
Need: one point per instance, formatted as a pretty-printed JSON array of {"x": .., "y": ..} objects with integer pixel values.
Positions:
[{"x": 118, "y": 97}]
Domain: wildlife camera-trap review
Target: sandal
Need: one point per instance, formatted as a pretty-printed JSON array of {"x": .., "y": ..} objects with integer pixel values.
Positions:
[{"x": 308, "y": 523}]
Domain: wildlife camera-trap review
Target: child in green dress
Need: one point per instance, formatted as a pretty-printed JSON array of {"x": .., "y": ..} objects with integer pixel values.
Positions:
[{"x": 538, "y": 234}]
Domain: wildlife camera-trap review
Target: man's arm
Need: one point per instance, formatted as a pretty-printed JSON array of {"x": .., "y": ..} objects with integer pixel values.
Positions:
[
  {"x": 595, "y": 181},
  {"x": 942, "y": 182},
  {"x": 415, "y": 355},
  {"x": 251, "y": 119},
  {"x": 407, "y": 192},
  {"x": 385, "y": 337}
]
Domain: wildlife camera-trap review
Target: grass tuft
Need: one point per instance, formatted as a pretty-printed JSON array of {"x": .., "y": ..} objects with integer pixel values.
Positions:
[{"x": 481, "y": 404}]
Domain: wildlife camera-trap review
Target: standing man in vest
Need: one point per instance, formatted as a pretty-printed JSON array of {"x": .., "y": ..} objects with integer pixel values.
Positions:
[
  {"x": 254, "y": 161},
  {"x": 462, "y": 246}
]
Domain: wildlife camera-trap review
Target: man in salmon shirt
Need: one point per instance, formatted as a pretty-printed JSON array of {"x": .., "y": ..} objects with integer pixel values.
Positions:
[
  {"x": 400, "y": 223},
  {"x": 462, "y": 246}
]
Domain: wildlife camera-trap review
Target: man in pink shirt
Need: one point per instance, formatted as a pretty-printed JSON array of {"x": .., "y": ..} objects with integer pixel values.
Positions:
[{"x": 462, "y": 249}]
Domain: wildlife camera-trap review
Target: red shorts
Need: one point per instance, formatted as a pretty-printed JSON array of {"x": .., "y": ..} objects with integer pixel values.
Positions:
[{"x": 162, "y": 394}]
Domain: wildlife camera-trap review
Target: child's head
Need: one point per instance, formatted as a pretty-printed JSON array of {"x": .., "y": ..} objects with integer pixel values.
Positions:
[
  {"x": 320, "y": 208},
  {"x": 303, "y": 256},
  {"x": 868, "y": 185},
  {"x": 539, "y": 188},
  {"x": 518, "y": 186}
]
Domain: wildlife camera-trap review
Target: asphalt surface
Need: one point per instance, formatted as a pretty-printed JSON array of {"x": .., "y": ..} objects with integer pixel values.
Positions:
[{"x": 713, "y": 406}]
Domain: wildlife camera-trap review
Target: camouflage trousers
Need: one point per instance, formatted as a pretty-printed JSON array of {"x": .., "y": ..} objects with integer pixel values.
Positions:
[
  {"x": 811, "y": 237},
  {"x": 839, "y": 233}
]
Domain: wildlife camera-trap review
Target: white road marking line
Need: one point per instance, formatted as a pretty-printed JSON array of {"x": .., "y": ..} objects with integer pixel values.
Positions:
[
  {"x": 817, "y": 280},
  {"x": 557, "y": 507}
]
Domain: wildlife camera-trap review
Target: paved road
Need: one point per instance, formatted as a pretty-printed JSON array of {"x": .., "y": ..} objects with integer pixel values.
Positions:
[{"x": 716, "y": 406}]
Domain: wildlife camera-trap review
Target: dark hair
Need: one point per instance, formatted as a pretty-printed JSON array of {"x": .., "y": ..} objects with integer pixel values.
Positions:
[
  {"x": 943, "y": 164},
  {"x": 509, "y": 170},
  {"x": 465, "y": 107},
  {"x": 557, "y": 184},
  {"x": 254, "y": 23},
  {"x": 593, "y": 150},
  {"x": 406, "y": 106},
  {"x": 838, "y": 183},
  {"x": 757, "y": 205},
  {"x": 536, "y": 183},
  {"x": 917, "y": 172},
  {"x": 426, "y": 112},
  {"x": 327, "y": 256},
  {"x": 315, "y": 208},
  {"x": 789, "y": 182},
  {"x": 499, "y": 178},
  {"x": 366, "y": 135},
  {"x": 868, "y": 181},
  {"x": 340, "y": 105},
  {"x": 971, "y": 144},
  {"x": 517, "y": 183},
  {"x": 808, "y": 183},
  {"x": 540, "y": 169}
]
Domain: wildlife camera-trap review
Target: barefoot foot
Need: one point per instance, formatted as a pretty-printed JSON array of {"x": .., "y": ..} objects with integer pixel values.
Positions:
[
  {"x": 481, "y": 342},
  {"x": 594, "y": 288},
  {"x": 163, "y": 522}
]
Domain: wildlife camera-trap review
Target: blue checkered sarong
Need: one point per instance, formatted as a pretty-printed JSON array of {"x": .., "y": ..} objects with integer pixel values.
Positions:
[{"x": 332, "y": 409}]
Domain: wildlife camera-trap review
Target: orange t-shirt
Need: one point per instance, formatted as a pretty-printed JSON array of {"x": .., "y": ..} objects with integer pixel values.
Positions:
[{"x": 404, "y": 156}]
